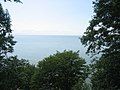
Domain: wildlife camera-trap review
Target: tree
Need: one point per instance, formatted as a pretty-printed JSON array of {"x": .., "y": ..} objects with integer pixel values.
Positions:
[
  {"x": 6, "y": 42},
  {"x": 105, "y": 73},
  {"x": 83, "y": 86},
  {"x": 16, "y": 74},
  {"x": 13, "y": 0},
  {"x": 60, "y": 71},
  {"x": 103, "y": 34},
  {"x": 6, "y": 38},
  {"x": 11, "y": 73},
  {"x": 28, "y": 71},
  {"x": 11, "y": 68}
]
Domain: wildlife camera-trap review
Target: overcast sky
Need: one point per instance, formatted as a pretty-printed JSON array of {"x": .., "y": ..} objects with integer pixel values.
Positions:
[{"x": 50, "y": 17}]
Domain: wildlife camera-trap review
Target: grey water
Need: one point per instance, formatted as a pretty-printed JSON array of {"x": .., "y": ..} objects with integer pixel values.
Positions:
[{"x": 36, "y": 47}]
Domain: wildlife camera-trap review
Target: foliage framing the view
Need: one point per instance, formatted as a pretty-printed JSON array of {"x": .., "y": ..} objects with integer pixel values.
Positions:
[
  {"x": 60, "y": 71},
  {"x": 106, "y": 73},
  {"x": 103, "y": 34},
  {"x": 6, "y": 38}
]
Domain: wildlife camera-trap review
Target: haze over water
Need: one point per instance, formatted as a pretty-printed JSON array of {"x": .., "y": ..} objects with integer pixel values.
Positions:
[{"x": 36, "y": 47}]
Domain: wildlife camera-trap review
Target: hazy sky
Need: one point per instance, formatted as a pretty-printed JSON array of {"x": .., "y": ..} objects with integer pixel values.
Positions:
[{"x": 50, "y": 17}]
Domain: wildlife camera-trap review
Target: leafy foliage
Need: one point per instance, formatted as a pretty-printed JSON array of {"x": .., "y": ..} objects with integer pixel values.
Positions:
[
  {"x": 60, "y": 71},
  {"x": 103, "y": 34},
  {"x": 10, "y": 73},
  {"x": 6, "y": 38},
  {"x": 15, "y": 73},
  {"x": 13, "y": 0},
  {"x": 106, "y": 75},
  {"x": 85, "y": 86},
  {"x": 28, "y": 71}
]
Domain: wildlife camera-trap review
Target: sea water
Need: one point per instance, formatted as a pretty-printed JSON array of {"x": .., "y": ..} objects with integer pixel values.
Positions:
[{"x": 36, "y": 47}]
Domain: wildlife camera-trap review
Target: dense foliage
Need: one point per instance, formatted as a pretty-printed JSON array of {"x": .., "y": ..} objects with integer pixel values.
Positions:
[
  {"x": 105, "y": 73},
  {"x": 66, "y": 70},
  {"x": 6, "y": 38},
  {"x": 60, "y": 71},
  {"x": 15, "y": 74},
  {"x": 103, "y": 36}
]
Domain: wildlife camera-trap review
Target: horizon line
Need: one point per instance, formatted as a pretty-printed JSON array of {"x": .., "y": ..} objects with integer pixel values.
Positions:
[{"x": 45, "y": 35}]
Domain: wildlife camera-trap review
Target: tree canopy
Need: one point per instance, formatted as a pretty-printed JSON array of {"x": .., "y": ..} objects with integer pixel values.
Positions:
[
  {"x": 105, "y": 73},
  {"x": 14, "y": 73},
  {"x": 60, "y": 71},
  {"x": 12, "y": 0},
  {"x": 103, "y": 36},
  {"x": 6, "y": 38},
  {"x": 11, "y": 76},
  {"x": 103, "y": 33}
]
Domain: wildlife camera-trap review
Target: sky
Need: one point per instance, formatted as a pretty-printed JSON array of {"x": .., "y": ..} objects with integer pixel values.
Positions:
[{"x": 50, "y": 17}]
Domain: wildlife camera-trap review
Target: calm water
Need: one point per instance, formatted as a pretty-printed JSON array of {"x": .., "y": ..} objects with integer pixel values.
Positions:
[{"x": 36, "y": 47}]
